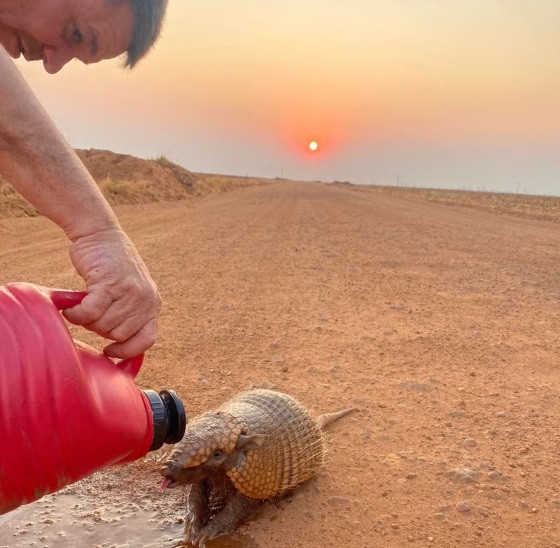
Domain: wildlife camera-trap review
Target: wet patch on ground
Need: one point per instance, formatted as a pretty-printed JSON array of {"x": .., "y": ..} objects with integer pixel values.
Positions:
[{"x": 116, "y": 508}]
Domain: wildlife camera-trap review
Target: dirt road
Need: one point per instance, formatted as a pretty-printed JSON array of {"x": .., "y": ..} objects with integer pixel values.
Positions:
[{"x": 440, "y": 323}]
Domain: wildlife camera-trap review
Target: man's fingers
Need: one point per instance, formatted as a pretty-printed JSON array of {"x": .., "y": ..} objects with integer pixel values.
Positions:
[
  {"x": 135, "y": 345},
  {"x": 90, "y": 310},
  {"x": 119, "y": 322}
]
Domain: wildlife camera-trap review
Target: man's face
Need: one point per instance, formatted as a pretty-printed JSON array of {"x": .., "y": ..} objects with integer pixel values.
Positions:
[{"x": 57, "y": 31}]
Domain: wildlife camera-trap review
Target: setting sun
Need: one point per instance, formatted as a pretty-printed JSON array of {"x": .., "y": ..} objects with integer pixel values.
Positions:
[{"x": 313, "y": 146}]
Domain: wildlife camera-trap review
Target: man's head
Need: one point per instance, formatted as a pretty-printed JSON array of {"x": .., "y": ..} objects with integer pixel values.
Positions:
[{"x": 57, "y": 31}]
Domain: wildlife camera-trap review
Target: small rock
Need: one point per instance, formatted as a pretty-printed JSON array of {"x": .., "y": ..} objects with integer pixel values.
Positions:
[
  {"x": 464, "y": 506},
  {"x": 410, "y": 475},
  {"x": 458, "y": 413},
  {"x": 523, "y": 504},
  {"x": 470, "y": 442},
  {"x": 495, "y": 476},
  {"x": 338, "y": 501},
  {"x": 464, "y": 475},
  {"x": 420, "y": 386}
]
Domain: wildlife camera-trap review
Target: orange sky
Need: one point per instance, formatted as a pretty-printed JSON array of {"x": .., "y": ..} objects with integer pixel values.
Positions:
[{"x": 420, "y": 92}]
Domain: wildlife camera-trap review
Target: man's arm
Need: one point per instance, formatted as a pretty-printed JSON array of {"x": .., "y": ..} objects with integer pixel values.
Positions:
[{"x": 122, "y": 302}]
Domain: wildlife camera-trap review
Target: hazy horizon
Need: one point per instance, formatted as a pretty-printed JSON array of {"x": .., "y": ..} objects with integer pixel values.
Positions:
[{"x": 410, "y": 93}]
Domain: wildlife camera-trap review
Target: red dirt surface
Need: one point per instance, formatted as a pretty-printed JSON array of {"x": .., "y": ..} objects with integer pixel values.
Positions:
[{"x": 440, "y": 323}]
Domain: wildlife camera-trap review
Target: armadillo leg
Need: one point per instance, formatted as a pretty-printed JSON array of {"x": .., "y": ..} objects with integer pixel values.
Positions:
[
  {"x": 196, "y": 514},
  {"x": 238, "y": 509}
]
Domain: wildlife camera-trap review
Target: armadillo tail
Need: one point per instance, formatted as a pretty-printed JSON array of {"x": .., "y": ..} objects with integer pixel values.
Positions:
[{"x": 327, "y": 418}]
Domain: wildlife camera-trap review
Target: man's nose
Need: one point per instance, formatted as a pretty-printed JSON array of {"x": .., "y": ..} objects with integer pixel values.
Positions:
[{"x": 54, "y": 58}]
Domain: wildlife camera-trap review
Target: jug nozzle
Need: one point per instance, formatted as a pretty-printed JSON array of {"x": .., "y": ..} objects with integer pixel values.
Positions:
[{"x": 170, "y": 419}]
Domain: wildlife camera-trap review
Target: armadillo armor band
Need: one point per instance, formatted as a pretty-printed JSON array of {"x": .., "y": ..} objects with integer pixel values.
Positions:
[{"x": 292, "y": 451}]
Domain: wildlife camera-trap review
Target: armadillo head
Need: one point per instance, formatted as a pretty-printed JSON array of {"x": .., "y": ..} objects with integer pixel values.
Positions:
[{"x": 213, "y": 442}]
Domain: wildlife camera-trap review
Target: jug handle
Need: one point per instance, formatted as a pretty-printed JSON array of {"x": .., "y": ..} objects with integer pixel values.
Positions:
[{"x": 67, "y": 299}]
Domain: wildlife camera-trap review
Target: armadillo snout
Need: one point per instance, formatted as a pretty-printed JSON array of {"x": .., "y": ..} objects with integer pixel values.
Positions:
[
  {"x": 170, "y": 469},
  {"x": 176, "y": 474},
  {"x": 171, "y": 473}
]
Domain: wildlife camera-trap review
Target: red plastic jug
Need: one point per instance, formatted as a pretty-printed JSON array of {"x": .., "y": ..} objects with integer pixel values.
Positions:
[{"x": 67, "y": 410}]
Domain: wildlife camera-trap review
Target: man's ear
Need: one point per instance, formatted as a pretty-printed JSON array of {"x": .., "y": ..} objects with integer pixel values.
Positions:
[{"x": 246, "y": 443}]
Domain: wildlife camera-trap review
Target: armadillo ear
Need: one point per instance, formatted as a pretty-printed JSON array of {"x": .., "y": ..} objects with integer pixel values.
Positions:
[{"x": 246, "y": 443}]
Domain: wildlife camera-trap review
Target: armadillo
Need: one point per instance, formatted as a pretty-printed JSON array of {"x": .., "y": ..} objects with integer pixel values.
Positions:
[{"x": 256, "y": 447}]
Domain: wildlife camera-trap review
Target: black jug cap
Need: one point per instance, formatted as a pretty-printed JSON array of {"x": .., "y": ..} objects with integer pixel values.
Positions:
[{"x": 170, "y": 419}]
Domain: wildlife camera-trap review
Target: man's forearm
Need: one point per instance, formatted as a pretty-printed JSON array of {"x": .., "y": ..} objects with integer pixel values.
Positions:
[{"x": 37, "y": 160}]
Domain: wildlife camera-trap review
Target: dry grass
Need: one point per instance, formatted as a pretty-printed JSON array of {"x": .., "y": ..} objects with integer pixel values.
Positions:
[
  {"x": 546, "y": 208},
  {"x": 214, "y": 184},
  {"x": 182, "y": 175},
  {"x": 12, "y": 204},
  {"x": 140, "y": 192},
  {"x": 128, "y": 180}
]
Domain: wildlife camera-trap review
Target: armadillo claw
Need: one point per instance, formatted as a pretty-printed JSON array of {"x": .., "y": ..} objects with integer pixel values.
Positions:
[
  {"x": 193, "y": 527},
  {"x": 208, "y": 533},
  {"x": 199, "y": 543}
]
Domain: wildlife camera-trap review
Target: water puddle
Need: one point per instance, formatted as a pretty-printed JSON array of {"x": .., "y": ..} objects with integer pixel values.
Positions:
[{"x": 112, "y": 509}]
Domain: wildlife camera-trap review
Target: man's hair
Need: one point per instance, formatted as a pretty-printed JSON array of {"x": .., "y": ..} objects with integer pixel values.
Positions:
[{"x": 148, "y": 20}]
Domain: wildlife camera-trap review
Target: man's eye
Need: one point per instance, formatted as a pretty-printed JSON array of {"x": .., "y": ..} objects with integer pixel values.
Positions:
[{"x": 76, "y": 35}]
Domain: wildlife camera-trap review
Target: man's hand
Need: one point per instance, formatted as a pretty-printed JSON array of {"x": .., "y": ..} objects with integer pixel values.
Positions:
[{"x": 122, "y": 302}]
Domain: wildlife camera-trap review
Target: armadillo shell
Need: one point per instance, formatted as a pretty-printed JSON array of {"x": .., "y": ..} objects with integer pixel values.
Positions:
[{"x": 292, "y": 451}]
